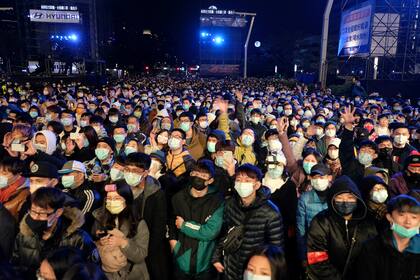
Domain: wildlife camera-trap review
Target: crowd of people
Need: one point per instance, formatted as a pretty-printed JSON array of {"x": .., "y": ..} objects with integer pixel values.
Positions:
[{"x": 158, "y": 178}]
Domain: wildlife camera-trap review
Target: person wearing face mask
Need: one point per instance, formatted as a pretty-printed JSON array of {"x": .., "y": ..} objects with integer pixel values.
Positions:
[
  {"x": 331, "y": 159},
  {"x": 382, "y": 128},
  {"x": 202, "y": 123},
  {"x": 45, "y": 143},
  {"x": 150, "y": 204},
  {"x": 98, "y": 124},
  {"x": 384, "y": 159},
  {"x": 179, "y": 161},
  {"x": 244, "y": 151},
  {"x": 158, "y": 143},
  {"x": 394, "y": 254},
  {"x": 409, "y": 178},
  {"x": 375, "y": 195},
  {"x": 251, "y": 215},
  {"x": 98, "y": 168},
  {"x": 352, "y": 166},
  {"x": 336, "y": 235},
  {"x": 402, "y": 147},
  {"x": 49, "y": 225},
  {"x": 197, "y": 215},
  {"x": 119, "y": 134},
  {"x": 256, "y": 123},
  {"x": 310, "y": 203},
  {"x": 122, "y": 240},
  {"x": 213, "y": 138},
  {"x": 283, "y": 192},
  {"x": 267, "y": 263},
  {"x": 195, "y": 140},
  {"x": 75, "y": 184},
  {"x": 67, "y": 118},
  {"x": 14, "y": 188},
  {"x": 322, "y": 144}
]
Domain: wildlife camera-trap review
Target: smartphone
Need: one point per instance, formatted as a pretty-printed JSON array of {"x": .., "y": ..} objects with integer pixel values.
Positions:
[
  {"x": 74, "y": 136},
  {"x": 18, "y": 147},
  {"x": 228, "y": 156}
]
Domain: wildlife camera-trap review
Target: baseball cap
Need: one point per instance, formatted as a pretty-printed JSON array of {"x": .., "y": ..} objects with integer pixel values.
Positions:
[
  {"x": 320, "y": 169},
  {"x": 43, "y": 169},
  {"x": 72, "y": 165}
]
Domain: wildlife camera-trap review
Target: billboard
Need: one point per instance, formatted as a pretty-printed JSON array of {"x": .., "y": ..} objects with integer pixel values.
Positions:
[
  {"x": 54, "y": 16},
  {"x": 355, "y": 30},
  {"x": 219, "y": 69},
  {"x": 385, "y": 34}
]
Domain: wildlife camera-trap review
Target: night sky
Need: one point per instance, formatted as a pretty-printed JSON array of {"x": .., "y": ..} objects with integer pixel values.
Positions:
[{"x": 178, "y": 21}]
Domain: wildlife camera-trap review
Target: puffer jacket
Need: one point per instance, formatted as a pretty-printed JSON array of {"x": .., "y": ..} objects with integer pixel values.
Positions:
[
  {"x": 264, "y": 226},
  {"x": 330, "y": 235},
  {"x": 309, "y": 204},
  {"x": 30, "y": 249},
  {"x": 197, "y": 144},
  {"x": 380, "y": 259}
]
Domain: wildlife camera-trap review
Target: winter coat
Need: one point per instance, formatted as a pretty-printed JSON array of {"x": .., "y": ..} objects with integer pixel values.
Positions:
[
  {"x": 16, "y": 200},
  {"x": 401, "y": 154},
  {"x": 350, "y": 165},
  {"x": 244, "y": 154},
  {"x": 330, "y": 235},
  {"x": 180, "y": 163},
  {"x": 198, "y": 144},
  {"x": 150, "y": 205},
  {"x": 136, "y": 251},
  {"x": 309, "y": 205},
  {"x": 399, "y": 185},
  {"x": 30, "y": 249},
  {"x": 196, "y": 239},
  {"x": 380, "y": 259},
  {"x": 7, "y": 234},
  {"x": 264, "y": 226}
]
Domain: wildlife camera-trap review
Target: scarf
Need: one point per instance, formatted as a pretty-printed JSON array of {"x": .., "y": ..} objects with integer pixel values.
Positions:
[{"x": 7, "y": 192}]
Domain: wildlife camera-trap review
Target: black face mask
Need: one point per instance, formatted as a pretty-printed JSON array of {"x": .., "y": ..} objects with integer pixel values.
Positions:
[
  {"x": 38, "y": 227},
  {"x": 345, "y": 208},
  {"x": 412, "y": 177},
  {"x": 385, "y": 152},
  {"x": 198, "y": 183}
]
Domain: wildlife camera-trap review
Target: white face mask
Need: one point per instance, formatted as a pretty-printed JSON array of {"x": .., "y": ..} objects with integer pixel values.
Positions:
[
  {"x": 333, "y": 154},
  {"x": 155, "y": 166},
  {"x": 174, "y": 143},
  {"x": 320, "y": 184},
  {"x": 248, "y": 275},
  {"x": 162, "y": 139},
  {"x": 330, "y": 132},
  {"x": 244, "y": 189},
  {"x": 400, "y": 139},
  {"x": 274, "y": 145},
  {"x": 379, "y": 196}
]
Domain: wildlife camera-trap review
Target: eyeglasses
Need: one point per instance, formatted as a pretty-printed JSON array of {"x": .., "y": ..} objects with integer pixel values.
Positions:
[{"x": 35, "y": 214}]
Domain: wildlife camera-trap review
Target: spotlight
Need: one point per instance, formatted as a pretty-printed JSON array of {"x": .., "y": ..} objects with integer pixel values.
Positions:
[{"x": 218, "y": 40}]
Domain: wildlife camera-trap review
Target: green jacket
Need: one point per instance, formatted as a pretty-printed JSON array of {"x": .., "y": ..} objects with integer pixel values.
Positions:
[{"x": 203, "y": 218}]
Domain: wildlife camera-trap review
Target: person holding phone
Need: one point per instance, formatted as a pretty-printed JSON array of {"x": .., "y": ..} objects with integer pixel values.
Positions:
[{"x": 122, "y": 240}]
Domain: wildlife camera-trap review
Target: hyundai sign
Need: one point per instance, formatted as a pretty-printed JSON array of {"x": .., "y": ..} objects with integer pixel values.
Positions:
[
  {"x": 54, "y": 16},
  {"x": 355, "y": 30}
]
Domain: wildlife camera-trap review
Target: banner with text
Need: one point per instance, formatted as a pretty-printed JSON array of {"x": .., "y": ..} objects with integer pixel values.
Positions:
[
  {"x": 54, "y": 16},
  {"x": 355, "y": 30}
]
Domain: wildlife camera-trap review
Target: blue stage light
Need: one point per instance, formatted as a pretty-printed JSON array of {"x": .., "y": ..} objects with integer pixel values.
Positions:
[
  {"x": 203, "y": 34},
  {"x": 218, "y": 40},
  {"x": 73, "y": 37}
]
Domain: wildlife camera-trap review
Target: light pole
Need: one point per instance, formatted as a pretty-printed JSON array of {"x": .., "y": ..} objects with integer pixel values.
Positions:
[
  {"x": 247, "y": 40},
  {"x": 323, "y": 66}
]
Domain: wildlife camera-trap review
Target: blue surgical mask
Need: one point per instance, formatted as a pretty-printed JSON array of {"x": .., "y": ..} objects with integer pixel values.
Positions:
[
  {"x": 185, "y": 126},
  {"x": 119, "y": 138},
  {"x": 33, "y": 114},
  {"x": 66, "y": 121},
  {"x": 129, "y": 150},
  {"x": 365, "y": 158},
  {"x": 307, "y": 166},
  {"x": 67, "y": 181},
  {"x": 219, "y": 161},
  {"x": 345, "y": 208},
  {"x": 116, "y": 174},
  {"x": 211, "y": 147},
  {"x": 247, "y": 140},
  {"x": 404, "y": 232},
  {"x": 132, "y": 179},
  {"x": 101, "y": 153}
]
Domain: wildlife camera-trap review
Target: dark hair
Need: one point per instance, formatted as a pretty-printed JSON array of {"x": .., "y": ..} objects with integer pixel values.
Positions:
[
  {"x": 271, "y": 132},
  {"x": 180, "y": 131},
  {"x": 189, "y": 115},
  {"x": 91, "y": 136},
  {"x": 276, "y": 258},
  {"x": 96, "y": 119},
  {"x": 404, "y": 203},
  {"x": 48, "y": 198},
  {"x": 57, "y": 127},
  {"x": 12, "y": 164},
  {"x": 63, "y": 258},
  {"x": 205, "y": 166},
  {"x": 311, "y": 151},
  {"x": 382, "y": 139},
  {"x": 250, "y": 170},
  {"x": 140, "y": 160},
  {"x": 84, "y": 271},
  {"x": 370, "y": 144}
]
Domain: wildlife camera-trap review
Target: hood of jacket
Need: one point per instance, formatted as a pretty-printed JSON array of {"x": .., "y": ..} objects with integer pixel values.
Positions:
[
  {"x": 73, "y": 214},
  {"x": 51, "y": 140},
  {"x": 151, "y": 186},
  {"x": 344, "y": 184},
  {"x": 368, "y": 183}
]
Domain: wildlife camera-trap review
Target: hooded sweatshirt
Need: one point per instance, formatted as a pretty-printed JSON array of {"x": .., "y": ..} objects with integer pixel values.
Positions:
[{"x": 51, "y": 140}]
